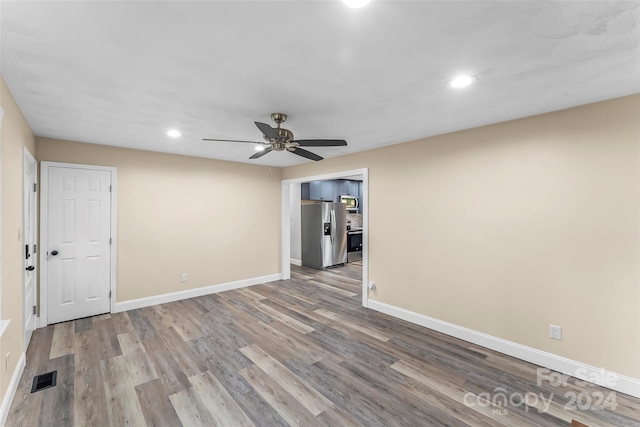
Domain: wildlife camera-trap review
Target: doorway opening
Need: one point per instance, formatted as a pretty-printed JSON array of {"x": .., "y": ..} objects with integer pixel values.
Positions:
[{"x": 314, "y": 190}]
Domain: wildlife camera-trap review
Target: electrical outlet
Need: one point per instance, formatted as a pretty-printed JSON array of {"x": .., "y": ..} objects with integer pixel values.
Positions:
[
  {"x": 372, "y": 286},
  {"x": 555, "y": 332},
  {"x": 183, "y": 277},
  {"x": 6, "y": 363}
]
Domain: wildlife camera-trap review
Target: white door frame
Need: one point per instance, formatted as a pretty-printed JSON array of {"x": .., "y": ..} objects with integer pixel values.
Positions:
[
  {"x": 44, "y": 193},
  {"x": 285, "y": 239},
  {"x": 28, "y": 157}
]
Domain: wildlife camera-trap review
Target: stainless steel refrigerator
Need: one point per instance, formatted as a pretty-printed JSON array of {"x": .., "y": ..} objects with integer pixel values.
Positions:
[{"x": 324, "y": 234}]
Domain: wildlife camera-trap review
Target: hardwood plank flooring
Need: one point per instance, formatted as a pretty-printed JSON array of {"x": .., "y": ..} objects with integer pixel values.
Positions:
[
  {"x": 296, "y": 352},
  {"x": 217, "y": 399},
  {"x": 156, "y": 405},
  {"x": 63, "y": 340},
  {"x": 293, "y": 412},
  {"x": 89, "y": 408}
]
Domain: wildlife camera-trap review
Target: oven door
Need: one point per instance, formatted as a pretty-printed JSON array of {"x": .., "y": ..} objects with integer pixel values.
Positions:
[{"x": 354, "y": 242}]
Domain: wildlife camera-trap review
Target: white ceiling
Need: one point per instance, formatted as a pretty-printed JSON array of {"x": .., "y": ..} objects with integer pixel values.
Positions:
[{"x": 123, "y": 73}]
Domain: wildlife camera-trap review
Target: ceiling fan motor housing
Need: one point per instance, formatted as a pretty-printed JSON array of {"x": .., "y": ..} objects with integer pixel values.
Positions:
[{"x": 285, "y": 134}]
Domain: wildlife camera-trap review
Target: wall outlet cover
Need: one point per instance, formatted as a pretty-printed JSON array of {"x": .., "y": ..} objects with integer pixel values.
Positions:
[
  {"x": 183, "y": 277},
  {"x": 555, "y": 332}
]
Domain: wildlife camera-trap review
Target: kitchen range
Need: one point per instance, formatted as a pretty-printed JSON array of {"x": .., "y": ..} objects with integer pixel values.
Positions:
[{"x": 354, "y": 240}]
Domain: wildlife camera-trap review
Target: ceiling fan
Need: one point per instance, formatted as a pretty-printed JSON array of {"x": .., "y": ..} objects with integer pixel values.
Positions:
[{"x": 281, "y": 139}]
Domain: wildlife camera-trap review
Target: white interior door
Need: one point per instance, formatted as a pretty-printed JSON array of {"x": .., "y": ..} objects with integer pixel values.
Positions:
[
  {"x": 29, "y": 240},
  {"x": 78, "y": 239}
]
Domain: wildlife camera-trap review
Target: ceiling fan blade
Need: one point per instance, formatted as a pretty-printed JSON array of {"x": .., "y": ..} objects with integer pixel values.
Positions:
[
  {"x": 261, "y": 153},
  {"x": 234, "y": 140},
  {"x": 321, "y": 142},
  {"x": 268, "y": 131},
  {"x": 308, "y": 154}
]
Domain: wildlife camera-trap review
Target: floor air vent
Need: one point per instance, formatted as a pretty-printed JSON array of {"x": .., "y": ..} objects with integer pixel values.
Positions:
[{"x": 40, "y": 382}]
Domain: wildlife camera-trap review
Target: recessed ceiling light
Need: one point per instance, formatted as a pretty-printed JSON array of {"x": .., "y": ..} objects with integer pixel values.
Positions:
[
  {"x": 173, "y": 133},
  {"x": 461, "y": 81},
  {"x": 259, "y": 148},
  {"x": 356, "y": 4}
]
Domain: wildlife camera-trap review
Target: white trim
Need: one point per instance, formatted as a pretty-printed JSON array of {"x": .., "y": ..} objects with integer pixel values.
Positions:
[
  {"x": 285, "y": 230},
  {"x": 11, "y": 390},
  {"x": 285, "y": 240},
  {"x": 332, "y": 175},
  {"x": 551, "y": 361},
  {"x": 296, "y": 262},
  {"x": 192, "y": 293},
  {"x": 365, "y": 237},
  {"x": 27, "y": 156},
  {"x": 44, "y": 191}
]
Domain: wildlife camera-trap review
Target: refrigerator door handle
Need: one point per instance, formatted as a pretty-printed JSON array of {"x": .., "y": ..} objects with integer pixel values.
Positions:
[{"x": 333, "y": 226}]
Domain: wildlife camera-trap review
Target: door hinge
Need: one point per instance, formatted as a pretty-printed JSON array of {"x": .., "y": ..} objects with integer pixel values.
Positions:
[
  {"x": 110, "y": 240},
  {"x": 35, "y": 248},
  {"x": 110, "y": 188},
  {"x": 35, "y": 187},
  {"x": 34, "y": 309},
  {"x": 109, "y": 294}
]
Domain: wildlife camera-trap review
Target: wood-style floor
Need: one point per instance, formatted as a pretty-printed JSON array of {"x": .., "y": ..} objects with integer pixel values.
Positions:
[{"x": 295, "y": 352}]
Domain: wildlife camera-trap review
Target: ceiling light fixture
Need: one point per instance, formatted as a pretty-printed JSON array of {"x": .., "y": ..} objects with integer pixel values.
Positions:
[
  {"x": 461, "y": 81},
  {"x": 259, "y": 148},
  {"x": 356, "y": 4},
  {"x": 173, "y": 133}
]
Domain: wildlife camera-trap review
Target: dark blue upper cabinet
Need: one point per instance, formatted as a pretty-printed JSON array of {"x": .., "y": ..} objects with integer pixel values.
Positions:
[
  {"x": 331, "y": 190},
  {"x": 314, "y": 190},
  {"x": 352, "y": 188},
  {"x": 326, "y": 190},
  {"x": 339, "y": 188}
]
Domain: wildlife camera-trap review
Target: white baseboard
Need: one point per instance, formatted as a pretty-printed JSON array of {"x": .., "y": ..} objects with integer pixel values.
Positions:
[
  {"x": 11, "y": 390},
  {"x": 296, "y": 262},
  {"x": 551, "y": 361},
  {"x": 191, "y": 293}
]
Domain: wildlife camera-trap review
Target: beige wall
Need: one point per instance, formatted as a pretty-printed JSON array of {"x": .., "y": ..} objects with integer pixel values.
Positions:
[
  {"x": 16, "y": 135},
  {"x": 514, "y": 226},
  {"x": 216, "y": 221}
]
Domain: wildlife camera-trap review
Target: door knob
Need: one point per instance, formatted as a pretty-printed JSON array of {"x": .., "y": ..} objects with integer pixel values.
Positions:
[
  {"x": 54, "y": 253},
  {"x": 30, "y": 268}
]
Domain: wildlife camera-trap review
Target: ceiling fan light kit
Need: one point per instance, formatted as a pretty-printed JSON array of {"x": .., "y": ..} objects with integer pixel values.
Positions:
[{"x": 281, "y": 139}]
